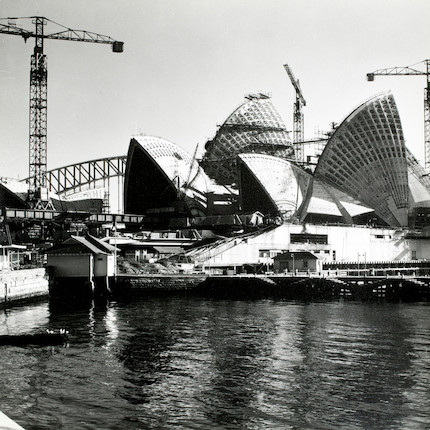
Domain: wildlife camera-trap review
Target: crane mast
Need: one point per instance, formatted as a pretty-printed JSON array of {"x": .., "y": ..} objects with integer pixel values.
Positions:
[
  {"x": 298, "y": 117},
  {"x": 409, "y": 71},
  {"x": 39, "y": 90},
  {"x": 38, "y": 113}
]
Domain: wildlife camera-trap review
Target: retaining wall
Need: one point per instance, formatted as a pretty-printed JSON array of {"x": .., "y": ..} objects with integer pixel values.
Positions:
[{"x": 23, "y": 284}]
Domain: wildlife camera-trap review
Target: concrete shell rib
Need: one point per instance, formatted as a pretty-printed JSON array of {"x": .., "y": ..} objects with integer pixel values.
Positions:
[
  {"x": 366, "y": 158},
  {"x": 256, "y": 127},
  {"x": 160, "y": 173}
]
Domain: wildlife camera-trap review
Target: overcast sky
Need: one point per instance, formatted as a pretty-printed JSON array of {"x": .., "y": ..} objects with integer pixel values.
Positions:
[{"x": 187, "y": 64}]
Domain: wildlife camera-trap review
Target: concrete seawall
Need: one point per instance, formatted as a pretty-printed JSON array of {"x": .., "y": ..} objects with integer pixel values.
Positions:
[
  {"x": 393, "y": 288},
  {"x": 156, "y": 284},
  {"x": 21, "y": 285}
]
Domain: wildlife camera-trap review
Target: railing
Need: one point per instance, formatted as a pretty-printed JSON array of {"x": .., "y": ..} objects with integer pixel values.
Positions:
[{"x": 403, "y": 273}]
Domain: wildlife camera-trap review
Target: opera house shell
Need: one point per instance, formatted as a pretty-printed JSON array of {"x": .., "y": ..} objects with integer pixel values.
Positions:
[
  {"x": 366, "y": 158},
  {"x": 365, "y": 174},
  {"x": 13, "y": 194},
  {"x": 254, "y": 127},
  {"x": 419, "y": 193},
  {"x": 163, "y": 181},
  {"x": 271, "y": 185},
  {"x": 278, "y": 187}
]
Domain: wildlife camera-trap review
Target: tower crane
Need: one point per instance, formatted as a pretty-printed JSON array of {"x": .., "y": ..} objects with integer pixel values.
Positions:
[
  {"x": 410, "y": 71},
  {"x": 298, "y": 121},
  {"x": 298, "y": 130},
  {"x": 38, "y": 87}
]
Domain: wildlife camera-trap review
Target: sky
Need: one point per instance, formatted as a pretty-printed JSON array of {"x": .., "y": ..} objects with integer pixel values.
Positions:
[{"x": 187, "y": 64}]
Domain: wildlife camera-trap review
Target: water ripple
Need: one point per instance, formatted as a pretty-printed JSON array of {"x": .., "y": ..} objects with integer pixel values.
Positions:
[{"x": 196, "y": 364}]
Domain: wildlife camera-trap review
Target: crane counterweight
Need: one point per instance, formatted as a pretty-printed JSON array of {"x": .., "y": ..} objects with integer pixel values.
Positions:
[{"x": 118, "y": 46}]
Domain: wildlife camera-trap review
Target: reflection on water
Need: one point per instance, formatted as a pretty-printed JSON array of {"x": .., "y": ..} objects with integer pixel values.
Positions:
[{"x": 198, "y": 364}]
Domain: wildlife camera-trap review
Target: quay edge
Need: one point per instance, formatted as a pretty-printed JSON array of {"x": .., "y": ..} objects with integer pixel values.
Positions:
[
  {"x": 24, "y": 285},
  {"x": 21, "y": 285},
  {"x": 306, "y": 288},
  {"x": 130, "y": 285}
]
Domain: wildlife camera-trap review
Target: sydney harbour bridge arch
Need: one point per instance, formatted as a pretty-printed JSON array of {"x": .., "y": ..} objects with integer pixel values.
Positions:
[{"x": 101, "y": 178}]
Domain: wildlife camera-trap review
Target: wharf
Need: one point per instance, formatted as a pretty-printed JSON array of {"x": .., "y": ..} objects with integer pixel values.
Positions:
[
  {"x": 322, "y": 286},
  {"x": 156, "y": 283}
]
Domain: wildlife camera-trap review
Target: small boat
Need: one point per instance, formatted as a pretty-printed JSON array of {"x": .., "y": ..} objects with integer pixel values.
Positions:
[{"x": 41, "y": 339}]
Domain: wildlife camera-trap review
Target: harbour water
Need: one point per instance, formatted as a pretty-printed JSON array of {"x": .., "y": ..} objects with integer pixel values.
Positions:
[{"x": 192, "y": 363}]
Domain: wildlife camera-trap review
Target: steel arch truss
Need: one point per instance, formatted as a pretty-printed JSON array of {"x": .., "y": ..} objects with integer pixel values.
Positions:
[{"x": 77, "y": 176}]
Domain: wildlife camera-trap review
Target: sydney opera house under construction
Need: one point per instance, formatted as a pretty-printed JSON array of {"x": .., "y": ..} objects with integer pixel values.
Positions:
[
  {"x": 364, "y": 176},
  {"x": 366, "y": 197}
]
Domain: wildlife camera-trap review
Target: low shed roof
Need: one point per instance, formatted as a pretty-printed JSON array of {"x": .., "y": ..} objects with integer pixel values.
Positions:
[
  {"x": 299, "y": 255},
  {"x": 83, "y": 245}
]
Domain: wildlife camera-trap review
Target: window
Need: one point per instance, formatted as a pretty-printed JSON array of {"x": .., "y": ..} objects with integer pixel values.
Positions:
[{"x": 309, "y": 238}]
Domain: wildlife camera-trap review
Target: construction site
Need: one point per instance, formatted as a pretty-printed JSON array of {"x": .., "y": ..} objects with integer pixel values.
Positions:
[
  {"x": 356, "y": 195},
  {"x": 214, "y": 214}
]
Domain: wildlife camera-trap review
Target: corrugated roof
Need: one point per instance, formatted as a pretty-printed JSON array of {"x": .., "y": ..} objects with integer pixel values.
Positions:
[
  {"x": 100, "y": 244},
  {"x": 92, "y": 247},
  {"x": 82, "y": 244}
]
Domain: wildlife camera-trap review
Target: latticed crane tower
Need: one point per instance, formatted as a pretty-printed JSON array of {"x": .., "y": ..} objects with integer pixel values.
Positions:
[
  {"x": 38, "y": 87},
  {"x": 298, "y": 117},
  {"x": 409, "y": 71}
]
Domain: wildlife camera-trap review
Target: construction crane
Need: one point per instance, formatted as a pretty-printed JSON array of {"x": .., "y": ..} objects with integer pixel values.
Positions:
[
  {"x": 298, "y": 121},
  {"x": 38, "y": 88},
  {"x": 193, "y": 160},
  {"x": 410, "y": 71}
]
